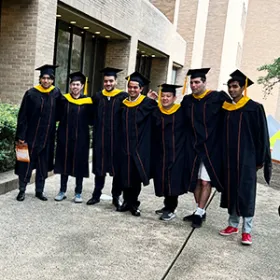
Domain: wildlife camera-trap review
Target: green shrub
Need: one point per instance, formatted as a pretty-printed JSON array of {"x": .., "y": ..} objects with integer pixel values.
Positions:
[{"x": 8, "y": 124}]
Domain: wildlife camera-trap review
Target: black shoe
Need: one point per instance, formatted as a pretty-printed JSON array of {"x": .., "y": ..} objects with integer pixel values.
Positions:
[
  {"x": 160, "y": 211},
  {"x": 124, "y": 207},
  {"x": 116, "y": 202},
  {"x": 93, "y": 201},
  {"x": 41, "y": 196},
  {"x": 21, "y": 196},
  {"x": 135, "y": 211},
  {"x": 189, "y": 218},
  {"x": 197, "y": 221}
]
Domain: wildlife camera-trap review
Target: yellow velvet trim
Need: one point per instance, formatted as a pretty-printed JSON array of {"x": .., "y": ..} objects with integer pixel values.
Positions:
[
  {"x": 111, "y": 93},
  {"x": 128, "y": 103},
  {"x": 44, "y": 90},
  {"x": 80, "y": 101},
  {"x": 232, "y": 107},
  {"x": 171, "y": 110},
  {"x": 201, "y": 95}
]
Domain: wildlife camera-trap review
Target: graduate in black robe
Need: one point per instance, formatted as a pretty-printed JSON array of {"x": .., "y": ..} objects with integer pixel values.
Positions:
[
  {"x": 245, "y": 150},
  {"x": 106, "y": 136},
  {"x": 72, "y": 151},
  {"x": 36, "y": 127},
  {"x": 168, "y": 151},
  {"x": 135, "y": 144},
  {"x": 203, "y": 111}
]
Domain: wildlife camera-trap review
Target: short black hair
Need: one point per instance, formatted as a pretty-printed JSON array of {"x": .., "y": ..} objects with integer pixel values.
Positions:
[{"x": 241, "y": 82}]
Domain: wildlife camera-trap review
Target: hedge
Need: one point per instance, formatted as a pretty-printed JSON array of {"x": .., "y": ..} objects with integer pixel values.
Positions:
[{"x": 8, "y": 123}]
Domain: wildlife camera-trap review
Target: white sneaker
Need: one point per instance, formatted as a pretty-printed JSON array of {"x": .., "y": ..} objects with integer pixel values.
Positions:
[
  {"x": 78, "y": 198},
  {"x": 60, "y": 196}
]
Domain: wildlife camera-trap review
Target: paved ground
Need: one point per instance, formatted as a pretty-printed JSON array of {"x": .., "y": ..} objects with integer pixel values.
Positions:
[{"x": 63, "y": 240}]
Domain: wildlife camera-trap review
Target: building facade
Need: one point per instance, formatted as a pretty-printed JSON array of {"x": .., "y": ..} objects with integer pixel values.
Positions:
[
  {"x": 85, "y": 35},
  {"x": 161, "y": 39}
]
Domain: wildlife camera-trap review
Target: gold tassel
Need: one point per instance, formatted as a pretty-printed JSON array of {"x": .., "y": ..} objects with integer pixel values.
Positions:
[
  {"x": 185, "y": 85},
  {"x": 159, "y": 96},
  {"x": 246, "y": 85},
  {"x": 86, "y": 87}
]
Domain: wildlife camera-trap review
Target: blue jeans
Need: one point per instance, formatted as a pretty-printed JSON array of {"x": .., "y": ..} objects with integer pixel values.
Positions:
[{"x": 234, "y": 220}]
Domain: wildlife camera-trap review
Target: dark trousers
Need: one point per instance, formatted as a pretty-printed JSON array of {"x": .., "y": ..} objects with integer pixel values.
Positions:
[
  {"x": 64, "y": 180},
  {"x": 99, "y": 185},
  {"x": 131, "y": 193},
  {"x": 39, "y": 183},
  {"x": 170, "y": 203}
]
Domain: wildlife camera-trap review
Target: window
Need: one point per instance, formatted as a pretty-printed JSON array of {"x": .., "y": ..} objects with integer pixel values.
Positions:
[{"x": 77, "y": 50}]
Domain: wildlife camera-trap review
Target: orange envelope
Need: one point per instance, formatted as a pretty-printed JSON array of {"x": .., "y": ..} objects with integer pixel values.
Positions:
[{"x": 22, "y": 153}]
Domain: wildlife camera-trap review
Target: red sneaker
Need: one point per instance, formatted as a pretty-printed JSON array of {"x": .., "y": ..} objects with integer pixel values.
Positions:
[
  {"x": 246, "y": 239},
  {"x": 228, "y": 231}
]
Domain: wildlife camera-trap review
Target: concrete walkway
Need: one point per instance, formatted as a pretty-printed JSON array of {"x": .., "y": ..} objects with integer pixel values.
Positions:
[{"x": 63, "y": 240}]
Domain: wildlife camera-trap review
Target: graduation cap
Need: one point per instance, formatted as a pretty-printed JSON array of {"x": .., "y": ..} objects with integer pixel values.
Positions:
[
  {"x": 137, "y": 77},
  {"x": 239, "y": 76},
  {"x": 77, "y": 76},
  {"x": 47, "y": 69},
  {"x": 110, "y": 71},
  {"x": 169, "y": 88},
  {"x": 198, "y": 73}
]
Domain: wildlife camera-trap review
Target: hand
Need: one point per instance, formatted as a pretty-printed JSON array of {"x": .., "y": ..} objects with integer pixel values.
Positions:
[
  {"x": 152, "y": 94},
  {"x": 20, "y": 141},
  {"x": 259, "y": 167}
]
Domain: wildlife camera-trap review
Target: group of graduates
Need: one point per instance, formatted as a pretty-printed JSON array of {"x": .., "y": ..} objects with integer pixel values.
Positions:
[{"x": 211, "y": 139}]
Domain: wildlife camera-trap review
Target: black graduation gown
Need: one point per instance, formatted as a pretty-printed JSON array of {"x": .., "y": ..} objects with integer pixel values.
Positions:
[
  {"x": 168, "y": 145},
  {"x": 72, "y": 149},
  {"x": 245, "y": 147},
  {"x": 106, "y": 134},
  {"x": 204, "y": 128},
  {"x": 36, "y": 125},
  {"x": 135, "y": 141}
]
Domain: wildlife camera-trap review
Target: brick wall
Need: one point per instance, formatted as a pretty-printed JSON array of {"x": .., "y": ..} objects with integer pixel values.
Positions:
[
  {"x": 17, "y": 48},
  {"x": 166, "y": 7},
  {"x": 27, "y": 39},
  {"x": 261, "y": 46}
]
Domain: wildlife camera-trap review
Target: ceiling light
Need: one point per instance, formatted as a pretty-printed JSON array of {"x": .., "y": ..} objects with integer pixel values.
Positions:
[
  {"x": 107, "y": 36},
  {"x": 82, "y": 32},
  {"x": 153, "y": 55},
  {"x": 93, "y": 36},
  {"x": 73, "y": 22},
  {"x": 58, "y": 15},
  {"x": 86, "y": 27},
  {"x": 142, "y": 51},
  {"x": 97, "y": 32}
]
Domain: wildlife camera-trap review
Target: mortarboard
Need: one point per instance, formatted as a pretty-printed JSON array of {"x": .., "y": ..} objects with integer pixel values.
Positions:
[
  {"x": 77, "y": 76},
  {"x": 238, "y": 75},
  {"x": 198, "y": 73},
  {"x": 110, "y": 71},
  {"x": 169, "y": 88},
  {"x": 47, "y": 69},
  {"x": 137, "y": 77}
]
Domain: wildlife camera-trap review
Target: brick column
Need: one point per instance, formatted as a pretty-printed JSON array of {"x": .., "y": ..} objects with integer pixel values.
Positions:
[
  {"x": 119, "y": 54},
  {"x": 159, "y": 72}
]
